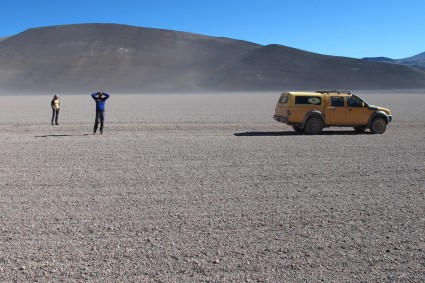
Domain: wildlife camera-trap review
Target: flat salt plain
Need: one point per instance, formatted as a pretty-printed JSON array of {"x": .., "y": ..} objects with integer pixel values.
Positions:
[{"x": 208, "y": 188}]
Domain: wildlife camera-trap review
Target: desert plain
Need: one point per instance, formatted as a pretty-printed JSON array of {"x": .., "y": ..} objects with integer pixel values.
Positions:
[{"x": 208, "y": 188}]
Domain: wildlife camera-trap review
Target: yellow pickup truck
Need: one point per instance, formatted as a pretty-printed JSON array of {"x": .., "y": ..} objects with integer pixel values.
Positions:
[{"x": 310, "y": 112}]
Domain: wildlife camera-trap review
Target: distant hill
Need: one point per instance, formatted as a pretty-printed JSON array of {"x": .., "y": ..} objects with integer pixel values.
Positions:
[
  {"x": 417, "y": 61},
  {"x": 380, "y": 59},
  {"x": 276, "y": 65},
  {"x": 123, "y": 59}
]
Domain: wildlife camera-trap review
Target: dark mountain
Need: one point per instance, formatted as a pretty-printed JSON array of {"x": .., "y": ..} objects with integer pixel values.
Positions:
[{"x": 119, "y": 58}]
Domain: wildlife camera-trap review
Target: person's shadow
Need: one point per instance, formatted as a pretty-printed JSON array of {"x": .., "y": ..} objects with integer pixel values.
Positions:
[{"x": 57, "y": 136}]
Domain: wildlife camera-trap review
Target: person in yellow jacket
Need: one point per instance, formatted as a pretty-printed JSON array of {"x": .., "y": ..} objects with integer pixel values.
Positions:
[{"x": 56, "y": 105}]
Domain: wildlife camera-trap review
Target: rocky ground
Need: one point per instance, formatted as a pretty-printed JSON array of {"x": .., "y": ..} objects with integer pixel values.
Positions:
[{"x": 208, "y": 188}]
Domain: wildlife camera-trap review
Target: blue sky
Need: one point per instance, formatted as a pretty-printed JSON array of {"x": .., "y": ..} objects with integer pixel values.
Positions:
[{"x": 352, "y": 28}]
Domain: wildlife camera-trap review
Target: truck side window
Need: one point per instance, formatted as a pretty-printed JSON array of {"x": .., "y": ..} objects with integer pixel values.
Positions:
[
  {"x": 337, "y": 101},
  {"x": 315, "y": 100}
]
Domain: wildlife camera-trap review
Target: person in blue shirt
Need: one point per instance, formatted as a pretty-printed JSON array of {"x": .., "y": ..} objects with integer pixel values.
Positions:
[{"x": 99, "y": 98}]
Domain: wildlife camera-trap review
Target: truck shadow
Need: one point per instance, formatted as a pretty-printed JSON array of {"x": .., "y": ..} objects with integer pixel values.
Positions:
[{"x": 292, "y": 133}]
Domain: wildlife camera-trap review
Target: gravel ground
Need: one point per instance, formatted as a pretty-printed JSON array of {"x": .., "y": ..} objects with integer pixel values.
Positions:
[{"x": 208, "y": 188}]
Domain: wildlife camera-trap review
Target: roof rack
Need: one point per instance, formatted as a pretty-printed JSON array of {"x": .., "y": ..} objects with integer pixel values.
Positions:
[{"x": 333, "y": 91}]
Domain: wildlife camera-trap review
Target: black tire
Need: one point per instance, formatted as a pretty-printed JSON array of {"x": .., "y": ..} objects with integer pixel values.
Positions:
[
  {"x": 297, "y": 129},
  {"x": 360, "y": 129},
  {"x": 378, "y": 125},
  {"x": 313, "y": 126}
]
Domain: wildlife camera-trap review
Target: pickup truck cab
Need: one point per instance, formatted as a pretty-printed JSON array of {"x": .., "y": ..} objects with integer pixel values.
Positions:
[{"x": 310, "y": 112}]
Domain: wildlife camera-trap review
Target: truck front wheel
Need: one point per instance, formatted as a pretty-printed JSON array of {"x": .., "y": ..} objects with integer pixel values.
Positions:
[
  {"x": 378, "y": 125},
  {"x": 313, "y": 126}
]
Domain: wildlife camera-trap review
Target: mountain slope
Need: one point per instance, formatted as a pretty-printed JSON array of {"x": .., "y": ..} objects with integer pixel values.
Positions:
[
  {"x": 119, "y": 58},
  {"x": 417, "y": 61},
  {"x": 275, "y": 65},
  {"x": 114, "y": 57}
]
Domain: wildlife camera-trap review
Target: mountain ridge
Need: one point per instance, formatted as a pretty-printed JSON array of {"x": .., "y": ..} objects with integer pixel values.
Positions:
[
  {"x": 416, "y": 61},
  {"x": 122, "y": 58}
]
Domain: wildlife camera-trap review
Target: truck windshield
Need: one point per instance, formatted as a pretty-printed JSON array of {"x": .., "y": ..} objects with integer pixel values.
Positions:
[{"x": 358, "y": 98}]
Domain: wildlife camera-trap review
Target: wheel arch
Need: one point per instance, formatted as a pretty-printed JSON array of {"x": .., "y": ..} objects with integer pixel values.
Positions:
[
  {"x": 381, "y": 114},
  {"x": 310, "y": 114}
]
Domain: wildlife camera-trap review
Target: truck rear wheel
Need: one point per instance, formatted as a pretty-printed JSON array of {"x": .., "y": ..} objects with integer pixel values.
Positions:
[
  {"x": 378, "y": 125},
  {"x": 313, "y": 126}
]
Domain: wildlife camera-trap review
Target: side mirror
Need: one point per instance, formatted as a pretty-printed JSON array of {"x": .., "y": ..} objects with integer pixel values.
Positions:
[{"x": 362, "y": 104}]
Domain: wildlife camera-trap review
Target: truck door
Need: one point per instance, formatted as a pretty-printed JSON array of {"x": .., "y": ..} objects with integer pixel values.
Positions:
[
  {"x": 358, "y": 113},
  {"x": 336, "y": 111}
]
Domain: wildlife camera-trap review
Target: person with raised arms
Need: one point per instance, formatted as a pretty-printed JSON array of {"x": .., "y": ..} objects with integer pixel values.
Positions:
[{"x": 99, "y": 98}]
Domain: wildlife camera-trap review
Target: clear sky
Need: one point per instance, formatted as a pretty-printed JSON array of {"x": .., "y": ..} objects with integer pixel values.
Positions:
[{"x": 352, "y": 28}]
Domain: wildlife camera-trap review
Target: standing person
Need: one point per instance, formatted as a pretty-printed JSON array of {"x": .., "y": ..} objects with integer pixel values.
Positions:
[
  {"x": 56, "y": 105},
  {"x": 99, "y": 98}
]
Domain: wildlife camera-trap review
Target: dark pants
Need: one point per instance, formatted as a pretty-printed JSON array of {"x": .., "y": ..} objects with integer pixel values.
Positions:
[
  {"x": 55, "y": 116},
  {"x": 100, "y": 117}
]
